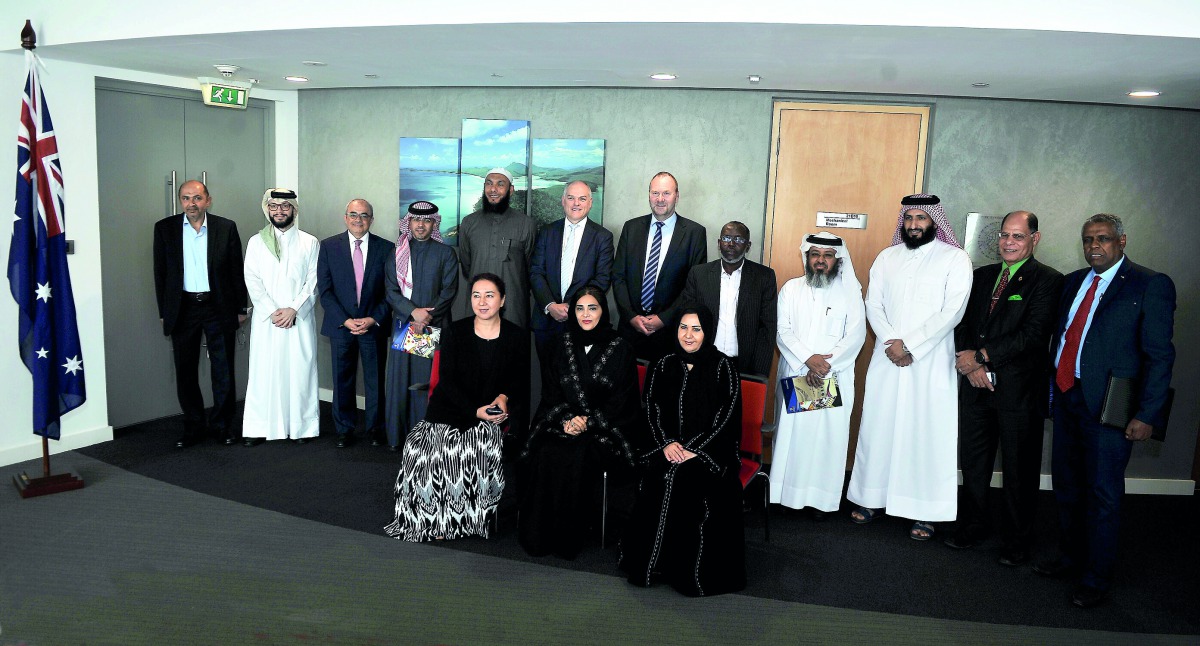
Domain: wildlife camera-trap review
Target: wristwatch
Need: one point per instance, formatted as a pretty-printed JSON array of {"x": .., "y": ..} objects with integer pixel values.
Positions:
[{"x": 979, "y": 358}]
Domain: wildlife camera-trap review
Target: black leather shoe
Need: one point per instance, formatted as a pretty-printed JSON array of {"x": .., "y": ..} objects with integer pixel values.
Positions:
[
  {"x": 1085, "y": 596},
  {"x": 344, "y": 440},
  {"x": 962, "y": 541},
  {"x": 819, "y": 516},
  {"x": 186, "y": 441},
  {"x": 252, "y": 441},
  {"x": 1013, "y": 558},
  {"x": 1055, "y": 569},
  {"x": 394, "y": 449},
  {"x": 301, "y": 440},
  {"x": 376, "y": 438},
  {"x": 228, "y": 441}
]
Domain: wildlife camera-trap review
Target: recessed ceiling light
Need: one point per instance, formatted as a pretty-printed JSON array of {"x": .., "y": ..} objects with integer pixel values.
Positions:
[
  {"x": 663, "y": 76},
  {"x": 253, "y": 81},
  {"x": 296, "y": 79},
  {"x": 754, "y": 78},
  {"x": 1143, "y": 94},
  {"x": 314, "y": 63},
  {"x": 370, "y": 76},
  {"x": 497, "y": 76},
  {"x": 980, "y": 84}
]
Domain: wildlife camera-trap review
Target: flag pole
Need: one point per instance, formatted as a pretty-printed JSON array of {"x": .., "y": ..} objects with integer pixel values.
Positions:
[{"x": 47, "y": 484}]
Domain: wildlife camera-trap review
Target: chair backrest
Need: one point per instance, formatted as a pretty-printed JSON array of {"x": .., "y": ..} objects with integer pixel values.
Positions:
[
  {"x": 754, "y": 404},
  {"x": 433, "y": 375},
  {"x": 642, "y": 366}
]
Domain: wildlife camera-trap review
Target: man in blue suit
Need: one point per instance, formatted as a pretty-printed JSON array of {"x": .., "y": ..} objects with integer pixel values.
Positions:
[
  {"x": 1115, "y": 319},
  {"x": 569, "y": 254},
  {"x": 350, "y": 285},
  {"x": 651, "y": 268}
]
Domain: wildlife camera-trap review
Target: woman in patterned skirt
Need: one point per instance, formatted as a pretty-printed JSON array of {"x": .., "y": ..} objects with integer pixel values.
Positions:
[
  {"x": 686, "y": 527},
  {"x": 451, "y": 477},
  {"x": 589, "y": 407}
]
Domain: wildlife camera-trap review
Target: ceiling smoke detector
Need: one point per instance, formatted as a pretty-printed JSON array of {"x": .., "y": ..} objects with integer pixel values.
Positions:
[{"x": 227, "y": 70}]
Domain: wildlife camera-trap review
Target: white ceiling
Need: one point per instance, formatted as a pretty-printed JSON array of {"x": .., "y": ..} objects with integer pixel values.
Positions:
[{"x": 941, "y": 61}]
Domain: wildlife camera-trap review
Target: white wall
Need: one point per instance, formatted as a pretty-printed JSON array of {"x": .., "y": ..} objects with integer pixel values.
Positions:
[{"x": 71, "y": 97}]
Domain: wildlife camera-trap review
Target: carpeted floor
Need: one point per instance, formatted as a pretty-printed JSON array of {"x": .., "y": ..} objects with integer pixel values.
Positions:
[{"x": 835, "y": 563}]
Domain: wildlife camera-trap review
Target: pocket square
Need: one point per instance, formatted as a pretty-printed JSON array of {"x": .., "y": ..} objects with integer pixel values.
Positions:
[{"x": 1015, "y": 297}]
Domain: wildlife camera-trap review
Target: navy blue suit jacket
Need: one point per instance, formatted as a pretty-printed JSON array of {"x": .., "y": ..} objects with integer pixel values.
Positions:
[
  {"x": 688, "y": 248},
  {"x": 1130, "y": 336},
  {"x": 593, "y": 264},
  {"x": 336, "y": 289}
]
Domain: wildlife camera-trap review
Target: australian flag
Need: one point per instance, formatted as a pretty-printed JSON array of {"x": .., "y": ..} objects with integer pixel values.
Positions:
[{"x": 48, "y": 335}]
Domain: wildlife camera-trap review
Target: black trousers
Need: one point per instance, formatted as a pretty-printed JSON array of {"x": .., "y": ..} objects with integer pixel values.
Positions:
[
  {"x": 1017, "y": 433},
  {"x": 346, "y": 352},
  {"x": 196, "y": 321}
]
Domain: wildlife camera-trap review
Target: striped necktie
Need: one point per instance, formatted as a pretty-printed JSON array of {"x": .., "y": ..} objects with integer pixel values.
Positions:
[{"x": 651, "y": 276}]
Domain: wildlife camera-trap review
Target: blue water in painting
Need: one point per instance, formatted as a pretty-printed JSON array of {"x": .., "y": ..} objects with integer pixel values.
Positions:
[{"x": 432, "y": 186}]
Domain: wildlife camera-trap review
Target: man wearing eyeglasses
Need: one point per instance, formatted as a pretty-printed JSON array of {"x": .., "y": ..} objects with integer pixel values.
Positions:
[
  {"x": 742, "y": 294},
  {"x": 1002, "y": 348},
  {"x": 350, "y": 285}
]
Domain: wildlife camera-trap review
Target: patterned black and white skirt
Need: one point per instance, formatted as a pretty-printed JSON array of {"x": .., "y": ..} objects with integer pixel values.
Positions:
[{"x": 449, "y": 481}]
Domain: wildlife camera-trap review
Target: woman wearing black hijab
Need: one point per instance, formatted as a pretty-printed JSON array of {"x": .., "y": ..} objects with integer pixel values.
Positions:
[
  {"x": 589, "y": 405},
  {"x": 686, "y": 527}
]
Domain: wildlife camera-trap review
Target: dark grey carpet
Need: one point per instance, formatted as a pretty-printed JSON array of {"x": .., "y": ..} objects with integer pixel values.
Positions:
[{"x": 836, "y": 563}]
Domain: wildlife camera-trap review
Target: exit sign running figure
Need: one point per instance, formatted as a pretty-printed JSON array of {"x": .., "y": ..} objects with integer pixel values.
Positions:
[{"x": 224, "y": 95}]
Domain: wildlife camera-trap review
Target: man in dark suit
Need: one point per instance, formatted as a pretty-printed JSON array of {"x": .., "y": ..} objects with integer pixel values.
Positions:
[
  {"x": 1002, "y": 346},
  {"x": 651, "y": 267},
  {"x": 200, "y": 289},
  {"x": 742, "y": 295},
  {"x": 569, "y": 254},
  {"x": 1115, "y": 319},
  {"x": 350, "y": 285}
]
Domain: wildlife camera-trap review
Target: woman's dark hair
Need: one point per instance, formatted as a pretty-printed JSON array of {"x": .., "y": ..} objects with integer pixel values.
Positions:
[
  {"x": 493, "y": 278},
  {"x": 705, "y": 317}
]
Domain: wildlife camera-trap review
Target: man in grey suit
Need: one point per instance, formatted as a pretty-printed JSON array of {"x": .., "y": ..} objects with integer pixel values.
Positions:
[
  {"x": 569, "y": 254},
  {"x": 742, "y": 295},
  {"x": 651, "y": 267}
]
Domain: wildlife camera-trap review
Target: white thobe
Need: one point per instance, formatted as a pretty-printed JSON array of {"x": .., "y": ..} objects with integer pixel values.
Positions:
[
  {"x": 281, "y": 396},
  {"x": 907, "y": 454},
  {"x": 808, "y": 467}
]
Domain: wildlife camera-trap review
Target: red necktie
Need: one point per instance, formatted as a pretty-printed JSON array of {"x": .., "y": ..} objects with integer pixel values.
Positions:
[
  {"x": 1066, "y": 363},
  {"x": 999, "y": 290}
]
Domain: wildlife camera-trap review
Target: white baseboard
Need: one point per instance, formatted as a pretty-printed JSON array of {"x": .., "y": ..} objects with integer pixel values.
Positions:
[
  {"x": 1159, "y": 487},
  {"x": 31, "y": 449}
]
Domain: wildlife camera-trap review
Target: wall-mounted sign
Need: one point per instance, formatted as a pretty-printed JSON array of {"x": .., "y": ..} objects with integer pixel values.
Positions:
[
  {"x": 841, "y": 220},
  {"x": 225, "y": 94}
]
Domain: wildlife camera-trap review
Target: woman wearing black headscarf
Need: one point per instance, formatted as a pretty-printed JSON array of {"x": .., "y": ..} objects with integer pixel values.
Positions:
[
  {"x": 589, "y": 405},
  {"x": 686, "y": 527}
]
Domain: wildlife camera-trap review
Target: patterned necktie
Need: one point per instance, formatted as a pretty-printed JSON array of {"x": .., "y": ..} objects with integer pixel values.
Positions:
[
  {"x": 567, "y": 271},
  {"x": 358, "y": 270},
  {"x": 999, "y": 290},
  {"x": 651, "y": 275},
  {"x": 1065, "y": 378}
]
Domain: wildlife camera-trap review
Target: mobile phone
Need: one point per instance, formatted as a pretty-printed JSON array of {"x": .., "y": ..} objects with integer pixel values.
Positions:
[
  {"x": 493, "y": 410},
  {"x": 991, "y": 377}
]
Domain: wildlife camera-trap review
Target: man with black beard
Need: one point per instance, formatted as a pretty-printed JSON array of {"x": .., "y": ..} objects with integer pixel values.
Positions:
[
  {"x": 907, "y": 459},
  {"x": 742, "y": 294},
  {"x": 821, "y": 330},
  {"x": 497, "y": 239}
]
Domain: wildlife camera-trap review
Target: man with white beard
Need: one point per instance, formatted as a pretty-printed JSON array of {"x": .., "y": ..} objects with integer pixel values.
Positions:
[
  {"x": 907, "y": 455},
  {"x": 821, "y": 329},
  {"x": 281, "y": 277}
]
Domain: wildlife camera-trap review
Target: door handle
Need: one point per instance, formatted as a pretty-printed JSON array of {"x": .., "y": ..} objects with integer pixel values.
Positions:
[{"x": 174, "y": 195}]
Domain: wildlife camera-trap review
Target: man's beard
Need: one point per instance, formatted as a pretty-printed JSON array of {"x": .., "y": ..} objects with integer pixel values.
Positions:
[
  {"x": 499, "y": 207},
  {"x": 285, "y": 224},
  {"x": 821, "y": 280},
  {"x": 927, "y": 236}
]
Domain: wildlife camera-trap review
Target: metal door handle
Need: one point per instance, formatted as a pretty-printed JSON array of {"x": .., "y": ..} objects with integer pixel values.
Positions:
[{"x": 174, "y": 195}]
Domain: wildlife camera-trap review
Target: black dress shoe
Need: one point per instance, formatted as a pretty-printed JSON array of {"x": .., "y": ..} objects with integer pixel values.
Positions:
[
  {"x": 962, "y": 541},
  {"x": 376, "y": 438},
  {"x": 1057, "y": 569},
  {"x": 1085, "y": 596},
  {"x": 186, "y": 441},
  {"x": 252, "y": 441},
  {"x": 228, "y": 441},
  {"x": 394, "y": 449},
  {"x": 1013, "y": 558},
  {"x": 819, "y": 516},
  {"x": 301, "y": 440},
  {"x": 344, "y": 440}
]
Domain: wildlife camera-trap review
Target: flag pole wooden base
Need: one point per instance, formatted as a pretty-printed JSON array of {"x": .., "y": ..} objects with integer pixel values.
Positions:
[{"x": 58, "y": 483}]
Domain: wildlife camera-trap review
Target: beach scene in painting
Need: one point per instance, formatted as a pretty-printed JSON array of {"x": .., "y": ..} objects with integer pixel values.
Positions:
[
  {"x": 487, "y": 144},
  {"x": 557, "y": 162},
  {"x": 429, "y": 171}
]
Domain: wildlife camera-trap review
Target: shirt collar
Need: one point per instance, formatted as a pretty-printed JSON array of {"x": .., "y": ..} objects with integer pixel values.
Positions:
[
  {"x": 1109, "y": 274},
  {"x": 1012, "y": 269},
  {"x": 203, "y": 223},
  {"x": 352, "y": 238}
]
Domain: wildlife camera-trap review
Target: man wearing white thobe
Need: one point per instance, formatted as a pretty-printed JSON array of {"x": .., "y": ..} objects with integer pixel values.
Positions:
[
  {"x": 821, "y": 329},
  {"x": 281, "y": 277},
  {"x": 906, "y": 459}
]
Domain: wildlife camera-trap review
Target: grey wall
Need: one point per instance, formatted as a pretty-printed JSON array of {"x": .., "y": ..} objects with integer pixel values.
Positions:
[{"x": 1062, "y": 161}]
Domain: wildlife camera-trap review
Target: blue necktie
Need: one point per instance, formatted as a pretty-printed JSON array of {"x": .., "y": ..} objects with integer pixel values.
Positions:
[{"x": 651, "y": 275}]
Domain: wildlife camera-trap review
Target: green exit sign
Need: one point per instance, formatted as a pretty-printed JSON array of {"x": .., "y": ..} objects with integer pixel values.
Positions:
[{"x": 224, "y": 95}]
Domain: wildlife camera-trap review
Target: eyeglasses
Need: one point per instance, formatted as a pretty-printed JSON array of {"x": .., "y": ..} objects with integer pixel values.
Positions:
[
  {"x": 359, "y": 217},
  {"x": 1016, "y": 237},
  {"x": 734, "y": 239},
  {"x": 279, "y": 207}
]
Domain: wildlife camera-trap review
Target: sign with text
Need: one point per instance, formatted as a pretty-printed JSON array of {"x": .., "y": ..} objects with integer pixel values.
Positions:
[{"x": 841, "y": 220}]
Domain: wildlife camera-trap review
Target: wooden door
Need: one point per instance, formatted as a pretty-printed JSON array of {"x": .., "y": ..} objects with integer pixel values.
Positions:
[{"x": 841, "y": 158}]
